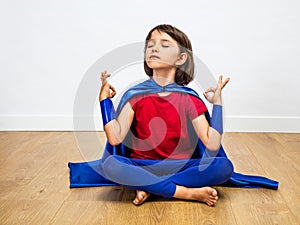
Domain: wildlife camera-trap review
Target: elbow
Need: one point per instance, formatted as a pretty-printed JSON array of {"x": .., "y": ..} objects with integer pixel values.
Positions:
[
  {"x": 112, "y": 138},
  {"x": 213, "y": 140},
  {"x": 113, "y": 142},
  {"x": 214, "y": 147}
]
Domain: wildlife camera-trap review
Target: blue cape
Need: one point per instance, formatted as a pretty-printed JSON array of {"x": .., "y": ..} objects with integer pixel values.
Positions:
[{"x": 84, "y": 174}]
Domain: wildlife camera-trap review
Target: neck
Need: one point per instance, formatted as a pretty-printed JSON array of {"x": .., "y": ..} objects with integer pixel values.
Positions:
[{"x": 164, "y": 77}]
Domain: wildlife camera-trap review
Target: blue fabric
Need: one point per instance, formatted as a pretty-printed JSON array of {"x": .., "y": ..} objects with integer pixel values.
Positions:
[
  {"x": 161, "y": 177},
  {"x": 85, "y": 174},
  {"x": 107, "y": 111},
  {"x": 217, "y": 118}
]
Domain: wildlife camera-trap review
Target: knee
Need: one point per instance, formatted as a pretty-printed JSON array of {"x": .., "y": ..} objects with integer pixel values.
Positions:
[
  {"x": 111, "y": 165},
  {"x": 227, "y": 168},
  {"x": 109, "y": 161}
]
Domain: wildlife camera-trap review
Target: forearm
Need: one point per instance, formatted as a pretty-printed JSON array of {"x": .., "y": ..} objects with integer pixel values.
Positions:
[
  {"x": 113, "y": 132},
  {"x": 110, "y": 124},
  {"x": 216, "y": 127},
  {"x": 213, "y": 139},
  {"x": 115, "y": 128}
]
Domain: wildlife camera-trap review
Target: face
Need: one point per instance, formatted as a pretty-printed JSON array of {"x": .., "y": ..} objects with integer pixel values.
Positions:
[{"x": 162, "y": 51}]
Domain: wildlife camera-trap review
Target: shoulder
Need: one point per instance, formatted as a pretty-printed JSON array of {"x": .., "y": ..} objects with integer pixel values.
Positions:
[
  {"x": 197, "y": 101},
  {"x": 135, "y": 90},
  {"x": 191, "y": 93},
  {"x": 192, "y": 102}
]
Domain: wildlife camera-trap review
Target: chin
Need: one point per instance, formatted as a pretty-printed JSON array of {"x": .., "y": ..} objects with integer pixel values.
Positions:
[{"x": 158, "y": 65}]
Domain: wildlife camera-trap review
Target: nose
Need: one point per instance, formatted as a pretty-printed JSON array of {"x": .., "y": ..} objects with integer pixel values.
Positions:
[{"x": 155, "y": 47}]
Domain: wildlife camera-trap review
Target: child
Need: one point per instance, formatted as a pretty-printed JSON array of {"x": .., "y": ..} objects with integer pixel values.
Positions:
[
  {"x": 156, "y": 127},
  {"x": 162, "y": 139}
]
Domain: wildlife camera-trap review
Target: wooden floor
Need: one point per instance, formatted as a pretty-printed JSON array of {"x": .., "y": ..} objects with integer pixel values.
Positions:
[{"x": 34, "y": 185}]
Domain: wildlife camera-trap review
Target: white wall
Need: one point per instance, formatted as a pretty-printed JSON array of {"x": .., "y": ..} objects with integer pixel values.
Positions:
[{"x": 48, "y": 46}]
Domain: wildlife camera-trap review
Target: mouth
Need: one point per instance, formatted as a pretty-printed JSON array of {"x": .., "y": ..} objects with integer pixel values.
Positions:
[{"x": 154, "y": 57}]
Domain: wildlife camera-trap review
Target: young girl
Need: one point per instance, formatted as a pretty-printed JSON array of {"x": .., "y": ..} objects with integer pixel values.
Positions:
[{"x": 156, "y": 126}]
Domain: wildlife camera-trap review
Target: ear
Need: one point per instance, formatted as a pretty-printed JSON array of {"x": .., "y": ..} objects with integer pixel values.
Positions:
[{"x": 181, "y": 59}]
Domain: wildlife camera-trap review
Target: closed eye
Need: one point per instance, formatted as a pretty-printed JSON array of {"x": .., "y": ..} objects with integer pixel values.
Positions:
[
  {"x": 165, "y": 44},
  {"x": 150, "y": 44}
]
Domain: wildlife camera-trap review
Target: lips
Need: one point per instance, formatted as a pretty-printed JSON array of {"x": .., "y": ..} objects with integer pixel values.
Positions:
[{"x": 154, "y": 57}]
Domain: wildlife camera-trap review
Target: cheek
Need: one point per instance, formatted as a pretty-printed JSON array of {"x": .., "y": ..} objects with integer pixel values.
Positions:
[
  {"x": 146, "y": 53},
  {"x": 171, "y": 53},
  {"x": 171, "y": 57}
]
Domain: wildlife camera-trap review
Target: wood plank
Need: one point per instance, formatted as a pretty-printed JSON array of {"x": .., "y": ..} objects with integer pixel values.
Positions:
[
  {"x": 156, "y": 212},
  {"x": 235, "y": 144},
  {"x": 28, "y": 211},
  {"x": 277, "y": 164},
  {"x": 261, "y": 213},
  {"x": 34, "y": 184}
]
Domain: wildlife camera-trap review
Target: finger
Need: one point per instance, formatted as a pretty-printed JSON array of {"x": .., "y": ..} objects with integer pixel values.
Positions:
[
  {"x": 112, "y": 88},
  {"x": 113, "y": 94},
  {"x": 211, "y": 89},
  {"x": 103, "y": 73},
  {"x": 206, "y": 95},
  {"x": 104, "y": 77},
  {"x": 225, "y": 82},
  {"x": 220, "y": 79}
]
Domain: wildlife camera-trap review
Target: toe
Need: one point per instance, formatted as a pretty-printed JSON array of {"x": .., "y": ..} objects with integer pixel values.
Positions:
[
  {"x": 135, "y": 201},
  {"x": 140, "y": 197},
  {"x": 214, "y": 192},
  {"x": 213, "y": 198},
  {"x": 210, "y": 203}
]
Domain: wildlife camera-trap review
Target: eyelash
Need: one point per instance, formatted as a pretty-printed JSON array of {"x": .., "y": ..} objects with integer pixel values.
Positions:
[{"x": 164, "y": 46}]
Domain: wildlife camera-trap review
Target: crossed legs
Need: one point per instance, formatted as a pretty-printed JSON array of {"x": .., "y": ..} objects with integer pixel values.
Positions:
[{"x": 183, "y": 179}]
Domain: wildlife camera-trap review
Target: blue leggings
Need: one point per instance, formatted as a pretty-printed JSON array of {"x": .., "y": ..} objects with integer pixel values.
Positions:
[{"x": 160, "y": 177}]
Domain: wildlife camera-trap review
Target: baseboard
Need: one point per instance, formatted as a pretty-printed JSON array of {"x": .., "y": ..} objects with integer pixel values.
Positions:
[
  {"x": 262, "y": 124},
  {"x": 91, "y": 123},
  {"x": 36, "y": 123}
]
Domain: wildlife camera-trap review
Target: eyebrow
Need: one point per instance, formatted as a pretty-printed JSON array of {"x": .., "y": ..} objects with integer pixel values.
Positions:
[{"x": 161, "y": 40}]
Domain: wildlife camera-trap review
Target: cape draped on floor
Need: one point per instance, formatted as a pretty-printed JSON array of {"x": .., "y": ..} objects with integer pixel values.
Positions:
[{"x": 84, "y": 174}]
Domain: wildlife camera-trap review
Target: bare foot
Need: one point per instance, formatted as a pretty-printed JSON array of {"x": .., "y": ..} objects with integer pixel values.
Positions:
[
  {"x": 207, "y": 195},
  {"x": 141, "y": 197}
]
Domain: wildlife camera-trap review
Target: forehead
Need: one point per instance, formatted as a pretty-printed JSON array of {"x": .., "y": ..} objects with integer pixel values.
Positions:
[{"x": 160, "y": 35}]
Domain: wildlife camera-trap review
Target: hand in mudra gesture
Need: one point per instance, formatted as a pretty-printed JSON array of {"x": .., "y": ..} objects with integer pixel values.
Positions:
[
  {"x": 216, "y": 97},
  {"x": 107, "y": 90}
]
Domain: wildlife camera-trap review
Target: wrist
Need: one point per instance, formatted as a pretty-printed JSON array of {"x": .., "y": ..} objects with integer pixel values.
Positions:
[
  {"x": 107, "y": 111},
  {"x": 103, "y": 95},
  {"x": 217, "y": 118},
  {"x": 101, "y": 98},
  {"x": 218, "y": 101}
]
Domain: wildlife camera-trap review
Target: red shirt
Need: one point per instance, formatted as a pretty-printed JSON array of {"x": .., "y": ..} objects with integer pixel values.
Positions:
[{"x": 160, "y": 125}]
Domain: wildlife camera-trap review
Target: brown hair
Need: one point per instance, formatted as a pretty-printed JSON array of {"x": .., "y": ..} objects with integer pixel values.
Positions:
[{"x": 185, "y": 72}]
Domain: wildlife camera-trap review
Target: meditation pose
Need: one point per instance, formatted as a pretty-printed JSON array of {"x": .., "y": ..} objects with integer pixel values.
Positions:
[
  {"x": 167, "y": 50},
  {"x": 161, "y": 140}
]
